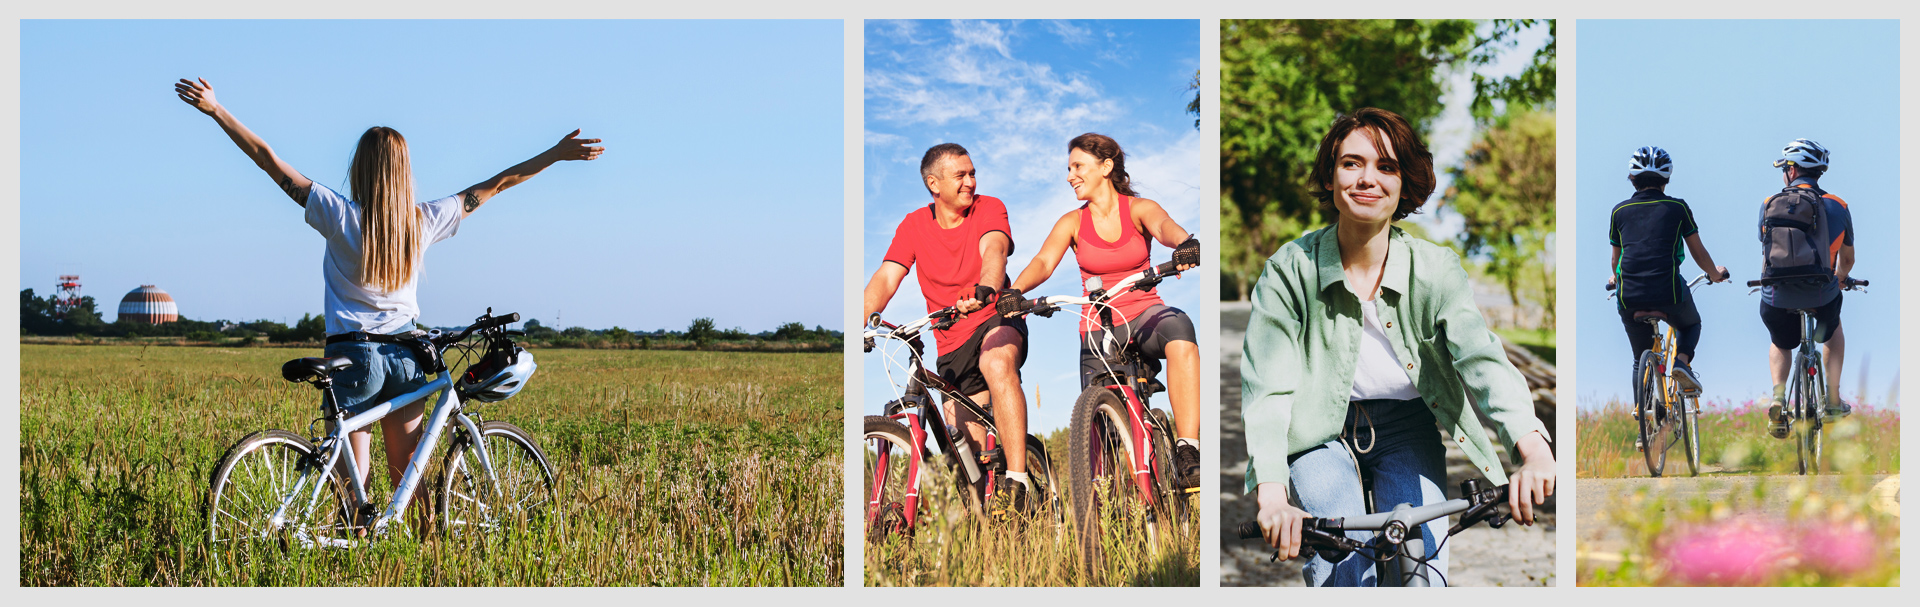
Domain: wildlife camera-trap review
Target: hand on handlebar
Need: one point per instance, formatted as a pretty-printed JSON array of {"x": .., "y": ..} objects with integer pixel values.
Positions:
[
  {"x": 1724, "y": 275},
  {"x": 1533, "y": 482},
  {"x": 1012, "y": 303},
  {"x": 1280, "y": 521},
  {"x": 1187, "y": 255},
  {"x": 978, "y": 298}
]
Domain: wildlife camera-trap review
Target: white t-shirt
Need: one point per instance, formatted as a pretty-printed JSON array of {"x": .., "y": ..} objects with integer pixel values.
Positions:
[
  {"x": 351, "y": 307},
  {"x": 1378, "y": 374}
]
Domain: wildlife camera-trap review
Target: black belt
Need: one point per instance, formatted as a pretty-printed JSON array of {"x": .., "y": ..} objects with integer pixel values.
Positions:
[{"x": 363, "y": 336}]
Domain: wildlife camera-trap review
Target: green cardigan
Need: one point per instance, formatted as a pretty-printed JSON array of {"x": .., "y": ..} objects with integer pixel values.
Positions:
[{"x": 1303, "y": 341}]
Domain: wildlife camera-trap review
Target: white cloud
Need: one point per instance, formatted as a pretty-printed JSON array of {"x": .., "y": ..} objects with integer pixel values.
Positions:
[{"x": 1072, "y": 35}]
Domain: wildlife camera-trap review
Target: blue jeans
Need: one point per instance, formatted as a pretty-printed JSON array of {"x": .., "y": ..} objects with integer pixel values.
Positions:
[
  {"x": 380, "y": 372},
  {"x": 1407, "y": 462}
]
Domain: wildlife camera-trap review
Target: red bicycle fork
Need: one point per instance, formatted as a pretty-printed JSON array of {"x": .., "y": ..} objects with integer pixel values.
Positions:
[
  {"x": 1142, "y": 451},
  {"x": 911, "y": 504}
]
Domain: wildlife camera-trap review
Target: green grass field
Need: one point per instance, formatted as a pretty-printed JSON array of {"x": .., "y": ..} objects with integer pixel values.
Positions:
[
  {"x": 1734, "y": 438},
  {"x": 675, "y": 468},
  {"x": 953, "y": 548}
]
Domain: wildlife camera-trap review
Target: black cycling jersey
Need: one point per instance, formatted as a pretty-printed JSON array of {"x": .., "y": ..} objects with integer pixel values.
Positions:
[{"x": 1651, "y": 229}]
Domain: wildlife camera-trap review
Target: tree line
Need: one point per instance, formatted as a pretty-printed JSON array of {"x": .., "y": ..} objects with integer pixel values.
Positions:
[{"x": 38, "y": 318}]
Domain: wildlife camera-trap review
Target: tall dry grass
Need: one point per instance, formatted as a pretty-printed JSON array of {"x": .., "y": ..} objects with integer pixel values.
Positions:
[{"x": 675, "y": 468}]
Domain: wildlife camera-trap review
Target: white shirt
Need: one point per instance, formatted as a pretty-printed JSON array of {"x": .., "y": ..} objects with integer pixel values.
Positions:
[
  {"x": 351, "y": 307},
  {"x": 1378, "y": 374}
]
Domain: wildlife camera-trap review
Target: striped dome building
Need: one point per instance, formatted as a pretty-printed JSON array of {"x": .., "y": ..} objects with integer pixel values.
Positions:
[{"x": 149, "y": 305}]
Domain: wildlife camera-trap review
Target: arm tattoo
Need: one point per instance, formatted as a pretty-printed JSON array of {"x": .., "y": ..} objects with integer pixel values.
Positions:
[
  {"x": 298, "y": 194},
  {"x": 472, "y": 201}
]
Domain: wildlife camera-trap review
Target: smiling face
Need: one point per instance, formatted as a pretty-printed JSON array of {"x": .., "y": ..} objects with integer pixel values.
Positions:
[
  {"x": 1366, "y": 180},
  {"x": 1087, "y": 174},
  {"x": 952, "y": 181}
]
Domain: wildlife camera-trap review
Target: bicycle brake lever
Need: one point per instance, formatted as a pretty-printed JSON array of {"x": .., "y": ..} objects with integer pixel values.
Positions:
[{"x": 1499, "y": 520}]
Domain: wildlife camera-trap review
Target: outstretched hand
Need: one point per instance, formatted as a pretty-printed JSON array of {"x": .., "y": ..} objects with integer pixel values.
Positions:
[
  {"x": 572, "y": 147},
  {"x": 197, "y": 94}
]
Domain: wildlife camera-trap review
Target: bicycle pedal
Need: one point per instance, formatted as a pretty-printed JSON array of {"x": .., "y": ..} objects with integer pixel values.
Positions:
[{"x": 1190, "y": 490}]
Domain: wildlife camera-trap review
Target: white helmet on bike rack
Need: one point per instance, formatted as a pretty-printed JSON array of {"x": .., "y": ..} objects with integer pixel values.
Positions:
[
  {"x": 497, "y": 377},
  {"x": 1803, "y": 153},
  {"x": 1650, "y": 159}
]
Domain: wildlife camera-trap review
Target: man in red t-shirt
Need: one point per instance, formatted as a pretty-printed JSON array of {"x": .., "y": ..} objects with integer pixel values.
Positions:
[{"x": 961, "y": 242}]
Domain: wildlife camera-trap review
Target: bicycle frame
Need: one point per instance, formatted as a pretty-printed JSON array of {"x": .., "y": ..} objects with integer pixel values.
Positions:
[
  {"x": 923, "y": 416},
  {"x": 336, "y": 452}
]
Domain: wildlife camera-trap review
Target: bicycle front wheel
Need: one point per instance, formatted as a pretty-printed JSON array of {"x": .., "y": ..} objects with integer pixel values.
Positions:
[
  {"x": 1648, "y": 406},
  {"x": 1099, "y": 470},
  {"x": 265, "y": 473},
  {"x": 520, "y": 493},
  {"x": 1176, "y": 505},
  {"x": 888, "y": 453},
  {"x": 1690, "y": 427}
]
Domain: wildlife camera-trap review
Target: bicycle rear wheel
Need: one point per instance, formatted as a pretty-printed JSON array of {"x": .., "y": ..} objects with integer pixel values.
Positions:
[
  {"x": 1648, "y": 406},
  {"x": 521, "y": 495},
  {"x": 888, "y": 447},
  {"x": 1690, "y": 427},
  {"x": 1099, "y": 470},
  {"x": 254, "y": 479},
  {"x": 1040, "y": 473}
]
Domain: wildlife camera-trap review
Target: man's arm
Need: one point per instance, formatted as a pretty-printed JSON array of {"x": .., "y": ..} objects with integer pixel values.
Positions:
[
  {"x": 880, "y": 290},
  {"x": 993, "y": 269},
  {"x": 1843, "y": 267},
  {"x": 199, "y": 94},
  {"x": 1616, "y": 263},
  {"x": 570, "y": 147}
]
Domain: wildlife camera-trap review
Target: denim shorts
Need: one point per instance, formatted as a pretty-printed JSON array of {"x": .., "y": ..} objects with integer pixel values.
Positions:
[{"x": 380, "y": 372}]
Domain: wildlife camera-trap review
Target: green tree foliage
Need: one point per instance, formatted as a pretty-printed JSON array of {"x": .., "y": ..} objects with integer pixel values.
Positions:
[
  {"x": 701, "y": 331},
  {"x": 1284, "y": 81},
  {"x": 311, "y": 327},
  {"x": 1505, "y": 191},
  {"x": 1193, "y": 107}
]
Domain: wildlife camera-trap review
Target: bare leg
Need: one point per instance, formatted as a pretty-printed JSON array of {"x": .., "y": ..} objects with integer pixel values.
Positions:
[
  {"x": 400, "y": 432},
  {"x": 1836, "y": 348},
  {"x": 999, "y": 363},
  {"x": 1778, "y": 360},
  {"x": 1183, "y": 387},
  {"x": 362, "y": 443},
  {"x": 976, "y": 428}
]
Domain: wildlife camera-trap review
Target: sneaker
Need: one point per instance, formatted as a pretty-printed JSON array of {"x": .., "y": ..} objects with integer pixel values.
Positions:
[
  {"x": 1010, "y": 500},
  {"x": 1777, "y": 418},
  {"x": 1186, "y": 466},
  {"x": 1684, "y": 378},
  {"x": 1837, "y": 409}
]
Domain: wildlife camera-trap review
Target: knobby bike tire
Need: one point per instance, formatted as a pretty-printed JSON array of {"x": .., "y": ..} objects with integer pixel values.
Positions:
[
  {"x": 1099, "y": 461},
  {"x": 1647, "y": 402},
  {"x": 1175, "y": 505},
  {"x": 1690, "y": 426},
  {"x": 250, "y": 482},
  {"x": 898, "y": 440},
  {"x": 525, "y": 497}
]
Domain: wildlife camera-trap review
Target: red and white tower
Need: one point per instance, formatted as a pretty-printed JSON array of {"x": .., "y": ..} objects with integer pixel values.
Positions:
[{"x": 66, "y": 295}]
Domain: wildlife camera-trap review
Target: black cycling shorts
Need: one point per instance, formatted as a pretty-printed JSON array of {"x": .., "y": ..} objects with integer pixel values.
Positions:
[
  {"x": 960, "y": 366},
  {"x": 1783, "y": 324},
  {"x": 1150, "y": 331}
]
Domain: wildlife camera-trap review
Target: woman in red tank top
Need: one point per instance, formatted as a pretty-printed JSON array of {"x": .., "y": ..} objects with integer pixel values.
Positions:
[{"x": 1110, "y": 239}]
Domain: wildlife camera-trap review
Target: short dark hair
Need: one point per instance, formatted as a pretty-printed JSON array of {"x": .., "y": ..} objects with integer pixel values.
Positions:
[
  {"x": 1649, "y": 180},
  {"x": 1102, "y": 147},
  {"x": 1416, "y": 163},
  {"x": 934, "y": 155}
]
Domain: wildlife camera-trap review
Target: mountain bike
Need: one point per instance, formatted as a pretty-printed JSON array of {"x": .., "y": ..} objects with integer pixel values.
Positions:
[
  {"x": 279, "y": 489},
  {"x": 1396, "y": 547},
  {"x": 1120, "y": 448},
  {"x": 897, "y": 452},
  {"x": 1660, "y": 405},
  {"x": 1806, "y": 392}
]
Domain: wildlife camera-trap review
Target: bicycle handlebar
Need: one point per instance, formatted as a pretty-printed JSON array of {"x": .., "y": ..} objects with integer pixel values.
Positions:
[
  {"x": 1325, "y": 533},
  {"x": 1780, "y": 280},
  {"x": 1144, "y": 281},
  {"x": 940, "y": 319}
]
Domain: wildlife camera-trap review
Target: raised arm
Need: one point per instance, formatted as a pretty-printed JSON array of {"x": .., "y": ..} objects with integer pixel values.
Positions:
[
  {"x": 1051, "y": 251},
  {"x": 570, "y": 147},
  {"x": 199, "y": 94}
]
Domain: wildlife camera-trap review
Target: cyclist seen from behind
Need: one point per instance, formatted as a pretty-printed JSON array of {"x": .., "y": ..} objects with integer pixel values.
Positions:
[
  {"x": 961, "y": 242},
  {"x": 1110, "y": 236},
  {"x": 1363, "y": 344},
  {"x": 1804, "y": 231},
  {"x": 1651, "y": 233},
  {"x": 376, "y": 239}
]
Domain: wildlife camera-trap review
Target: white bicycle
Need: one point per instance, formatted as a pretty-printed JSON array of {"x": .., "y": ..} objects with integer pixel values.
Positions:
[{"x": 275, "y": 489}]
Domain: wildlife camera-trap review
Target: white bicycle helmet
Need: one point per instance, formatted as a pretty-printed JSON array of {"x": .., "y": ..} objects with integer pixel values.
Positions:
[
  {"x": 1650, "y": 159},
  {"x": 498, "y": 377},
  {"x": 1803, "y": 153}
]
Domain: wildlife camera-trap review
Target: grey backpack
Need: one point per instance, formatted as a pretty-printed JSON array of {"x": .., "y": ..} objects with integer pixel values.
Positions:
[{"x": 1794, "y": 234}]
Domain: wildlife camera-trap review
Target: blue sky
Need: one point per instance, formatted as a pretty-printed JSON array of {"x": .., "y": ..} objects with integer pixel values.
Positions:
[
  {"x": 721, "y": 184},
  {"x": 1723, "y": 97},
  {"x": 1014, "y": 93}
]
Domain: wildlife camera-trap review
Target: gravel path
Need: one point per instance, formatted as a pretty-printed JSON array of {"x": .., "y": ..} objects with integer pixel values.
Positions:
[{"x": 1510, "y": 556}]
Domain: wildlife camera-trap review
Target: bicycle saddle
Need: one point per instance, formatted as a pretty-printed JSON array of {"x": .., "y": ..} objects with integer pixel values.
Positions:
[
  {"x": 303, "y": 369},
  {"x": 1646, "y": 314}
]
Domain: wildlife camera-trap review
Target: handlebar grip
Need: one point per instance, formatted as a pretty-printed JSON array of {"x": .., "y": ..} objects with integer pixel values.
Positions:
[
  {"x": 1612, "y": 286},
  {"x": 498, "y": 321},
  {"x": 1856, "y": 283},
  {"x": 1166, "y": 268},
  {"x": 1756, "y": 283},
  {"x": 1249, "y": 531}
]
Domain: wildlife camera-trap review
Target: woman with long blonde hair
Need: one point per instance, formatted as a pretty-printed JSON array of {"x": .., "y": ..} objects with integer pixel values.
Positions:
[{"x": 376, "y": 238}]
